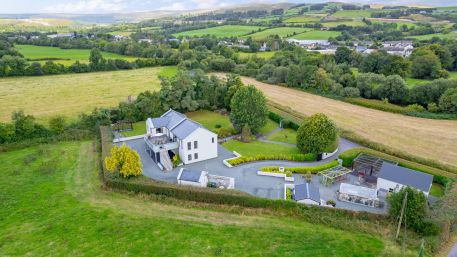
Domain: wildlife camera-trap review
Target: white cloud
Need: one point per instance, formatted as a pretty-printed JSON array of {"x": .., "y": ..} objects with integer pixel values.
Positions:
[{"x": 89, "y": 6}]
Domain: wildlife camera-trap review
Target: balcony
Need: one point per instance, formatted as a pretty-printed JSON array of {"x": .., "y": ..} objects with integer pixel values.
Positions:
[{"x": 160, "y": 142}]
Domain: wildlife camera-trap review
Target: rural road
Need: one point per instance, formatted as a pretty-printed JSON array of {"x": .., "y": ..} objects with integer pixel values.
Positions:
[{"x": 426, "y": 138}]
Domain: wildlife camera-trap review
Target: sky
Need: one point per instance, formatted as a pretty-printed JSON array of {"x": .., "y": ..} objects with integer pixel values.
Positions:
[{"x": 114, "y": 6}]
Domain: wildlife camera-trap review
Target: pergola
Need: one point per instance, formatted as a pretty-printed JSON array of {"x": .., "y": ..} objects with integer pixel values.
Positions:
[
  {"x": 332, "y": 175},
  {"x": 122, "y": 125},
  {"x": 368, "y": 165}
]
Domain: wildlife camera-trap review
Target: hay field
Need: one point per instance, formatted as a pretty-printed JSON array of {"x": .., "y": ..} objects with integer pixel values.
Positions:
[
  {"x": 221, "y": 31},
  {"x": 71, "y": 94},
  {"x": 430, "y": 139}
]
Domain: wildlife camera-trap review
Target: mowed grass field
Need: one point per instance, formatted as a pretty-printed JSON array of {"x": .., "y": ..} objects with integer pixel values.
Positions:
[
  {"x": 430, "y": 139},
  {"x": 316, "y": 35},
  {"x": 283, "y": 32},
  {"x": 71, "y": 94},
  {"x": 221, "y": 31},
  {"x": 52, "y": 204},
  {"x": 67, "y": 56}
]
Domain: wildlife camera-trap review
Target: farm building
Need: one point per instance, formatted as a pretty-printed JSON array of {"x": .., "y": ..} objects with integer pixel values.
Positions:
[
  {"x": 307, "y": 194},
  {"x": 174, "y": 134},
  {"x": 193, "y": 178},
  {"x": 392, "y": 178}
]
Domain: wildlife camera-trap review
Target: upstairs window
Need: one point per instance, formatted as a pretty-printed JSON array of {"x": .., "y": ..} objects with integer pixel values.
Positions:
[
  {"x": 189, "y": 145},
  {"x": 212, "y": 140},
  {"x": 195, "y": 144}
]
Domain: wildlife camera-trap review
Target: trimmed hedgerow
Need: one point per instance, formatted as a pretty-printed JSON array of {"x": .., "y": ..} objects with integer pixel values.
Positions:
[
  {"x": 302, "y": 170},
  {"x": 291, "y": 157}
]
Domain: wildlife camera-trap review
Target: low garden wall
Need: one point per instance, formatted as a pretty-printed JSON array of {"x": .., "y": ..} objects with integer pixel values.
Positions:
[{"x": 277, "y": 175}]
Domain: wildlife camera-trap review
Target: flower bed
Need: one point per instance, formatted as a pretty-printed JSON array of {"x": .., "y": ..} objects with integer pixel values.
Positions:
[
  {"x": 302, "y": 170},
  {"x": 292, "y": 157}
]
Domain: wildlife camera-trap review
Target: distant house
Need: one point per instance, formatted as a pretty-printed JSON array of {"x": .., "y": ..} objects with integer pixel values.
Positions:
[
  {"x": 175, "y": 134},
  {"x": 392, "y": 178},
  {"x": 193, "y": 178},
  {"x": 145, "y": 40},
  {"x": 62, "y": 35},
  {"x": 307, "y": 194},
  {"x": 309, "y": 44}
]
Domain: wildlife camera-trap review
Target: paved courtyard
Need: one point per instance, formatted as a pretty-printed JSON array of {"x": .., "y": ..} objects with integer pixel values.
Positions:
[{"x": 246, "y": 178}]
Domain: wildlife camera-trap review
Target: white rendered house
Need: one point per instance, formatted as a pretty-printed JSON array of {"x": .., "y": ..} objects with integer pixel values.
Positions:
[{"x": 175, "y": 134}]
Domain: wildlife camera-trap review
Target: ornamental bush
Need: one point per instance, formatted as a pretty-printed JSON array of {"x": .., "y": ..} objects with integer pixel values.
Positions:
[
  {"x": 124, "y": 160},
  {"x": 302, "y": 170},
  {"x": 291, "y": 157},
  {"x": 317, "y": 134}
]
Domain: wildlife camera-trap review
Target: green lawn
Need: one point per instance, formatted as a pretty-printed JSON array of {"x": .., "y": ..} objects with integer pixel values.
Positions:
[
  {"x": 212, "y": 120},
  {"x": 221, "y": 31},
  {"x": 139, "y": 128},
  {"x": 269, "y": 127},
  {"x": 52, "y": 204},
  {"x": 71, "y": 94},
  {"x": 67, "y": 56},
  {"x": 283, "y": 32},
  {"x": 286, "y": 135},
  {"x": 437, "y": 190},
  {"x": 316, "y": 35},
  {"x": 259, "y": 148}
]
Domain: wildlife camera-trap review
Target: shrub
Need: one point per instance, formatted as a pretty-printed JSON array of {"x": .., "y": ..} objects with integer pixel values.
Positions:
[
  {"x": 350, "y": 92},
  {"x": 288, "y": 194},
  {"x": 331, "y": 202},
  {"x": 415, "y": 108},
  {"x": 302, "y": 170},
  {"x": 292, "y": 157},
  {"x": 125, "y": 161},
  {"x": 432, "y": 107}
]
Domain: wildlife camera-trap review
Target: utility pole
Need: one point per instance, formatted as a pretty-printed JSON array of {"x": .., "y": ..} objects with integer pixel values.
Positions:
[{"x": 401, "y": 214}]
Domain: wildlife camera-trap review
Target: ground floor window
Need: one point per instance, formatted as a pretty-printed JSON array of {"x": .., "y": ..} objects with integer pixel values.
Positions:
[
  {"x": 189, "y": 157},
  {"x": 195, "y": 156}
]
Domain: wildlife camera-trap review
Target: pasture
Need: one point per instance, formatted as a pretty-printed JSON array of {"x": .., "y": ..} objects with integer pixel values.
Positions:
[
  {"x": 265, "y": 55},
  {"x": 71, "y": 94},
  {"x": 317, "y": 35},
  {"x": 420, "y": 137},
  {"x": 64, "y": 56},
  {"x": 221, "y": 31},
  {"x": 451, "y": 35},
  {"x": 303, "y": 19},
  {"x": 282, "y": 32},
  {"x": 353, "y": 14},
  {"x": 46, "y": 189}
]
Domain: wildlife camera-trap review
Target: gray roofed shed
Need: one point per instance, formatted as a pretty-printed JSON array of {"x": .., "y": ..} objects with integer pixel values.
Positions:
[
  {"x": 405, "y": 176},
  {"x": 307, "y": 191},
  {"x": 190, "y": 175}
]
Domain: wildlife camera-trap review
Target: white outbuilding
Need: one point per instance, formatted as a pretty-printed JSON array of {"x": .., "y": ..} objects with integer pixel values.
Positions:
[{"x": 193, "y": 178}]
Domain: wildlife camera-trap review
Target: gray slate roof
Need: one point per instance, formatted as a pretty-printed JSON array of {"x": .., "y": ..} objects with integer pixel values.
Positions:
[
  {"x": 185, "y": 128},
  {"x": 405, "y": 176},
  {"x": 307, "y": 191},
  {"x": 190, "y": 175},
  {"x": 160, "y": 122},
  {"x": 174, "y": 118}
]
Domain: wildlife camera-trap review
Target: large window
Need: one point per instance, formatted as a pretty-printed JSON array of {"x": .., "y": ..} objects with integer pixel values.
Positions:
[
  {"x": 189, "y": 145},
  {"x": 195, "y": 144},
  {"x": 189, "y": 157},
  {"x": 195, "y": 156}
]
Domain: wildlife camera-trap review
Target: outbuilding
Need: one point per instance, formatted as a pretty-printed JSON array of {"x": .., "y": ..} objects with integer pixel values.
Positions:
[
  {"x": 193, "y": 178},
  {"x": 392, "y": 178},
  {"x": 307, "y": 194}
]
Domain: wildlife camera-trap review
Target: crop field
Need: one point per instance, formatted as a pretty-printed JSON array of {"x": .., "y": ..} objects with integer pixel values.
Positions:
[
  {"x": 451, "y": 35},
  {"x": 332, "y": 24},
  {"x": 283, "y": 32},
  {"x": 221, "y": 31},
  {"x": 265, "y": 55},
  {"x": 303, "y": 19},
  {"x": 429, "y": 139},
  {"x": 46, "y": 189},
  {"x": 317, "y": 35},
  {"x": 66, "y": 56},
  {"x": 71, "y": 94},
  {"x": 352, "y": 14}
]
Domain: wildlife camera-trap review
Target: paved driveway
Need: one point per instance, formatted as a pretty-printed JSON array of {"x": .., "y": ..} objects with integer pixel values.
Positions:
[{"x": 246, "y": 178}]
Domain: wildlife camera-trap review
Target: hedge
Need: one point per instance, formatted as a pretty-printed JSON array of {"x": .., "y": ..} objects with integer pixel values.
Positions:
[
  {"x": 291, "y": 157},
  {"x": 439, "y": 176},
  {"x": 302, "y": 170}
]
